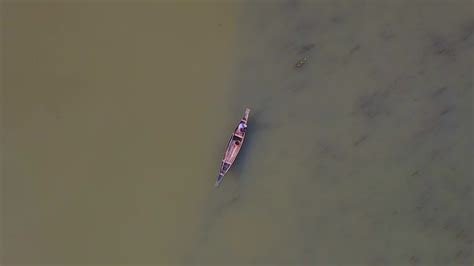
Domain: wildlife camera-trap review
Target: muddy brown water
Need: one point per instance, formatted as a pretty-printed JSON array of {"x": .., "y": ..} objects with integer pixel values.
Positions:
[{"x": 115, "y": 117}]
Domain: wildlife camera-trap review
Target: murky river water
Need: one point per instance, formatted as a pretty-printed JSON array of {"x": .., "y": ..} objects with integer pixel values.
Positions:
[{"x": 115, "y": 117}]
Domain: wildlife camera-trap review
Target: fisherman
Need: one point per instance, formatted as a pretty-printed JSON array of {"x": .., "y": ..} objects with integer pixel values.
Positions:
[{"x": 241, "y": 129}]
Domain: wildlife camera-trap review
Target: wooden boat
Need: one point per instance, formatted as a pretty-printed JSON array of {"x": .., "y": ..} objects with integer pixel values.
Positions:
[{"x": 233, "y": 148}]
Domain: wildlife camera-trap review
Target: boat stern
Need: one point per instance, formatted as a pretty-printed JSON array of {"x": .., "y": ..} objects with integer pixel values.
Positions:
[
  {"x": 246, "y": 114},
  {"x": 219, "y": 179}
]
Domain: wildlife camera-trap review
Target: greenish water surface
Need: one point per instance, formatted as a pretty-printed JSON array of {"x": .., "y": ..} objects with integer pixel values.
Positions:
[{"x": 116, "y": 115}]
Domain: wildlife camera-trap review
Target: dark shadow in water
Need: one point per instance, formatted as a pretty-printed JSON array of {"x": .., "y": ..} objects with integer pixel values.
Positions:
[{"x": 228, "y": 195}]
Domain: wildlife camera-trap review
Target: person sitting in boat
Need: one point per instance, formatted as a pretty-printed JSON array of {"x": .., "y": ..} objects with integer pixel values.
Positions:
[{"x": 241, "y": 129}]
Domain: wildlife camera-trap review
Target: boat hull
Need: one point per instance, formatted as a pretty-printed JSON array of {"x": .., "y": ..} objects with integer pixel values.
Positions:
[{"x": 233, "y": 148}]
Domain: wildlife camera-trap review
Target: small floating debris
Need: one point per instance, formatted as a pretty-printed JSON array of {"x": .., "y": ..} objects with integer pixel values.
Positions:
[{"x": 301, "y": 62}]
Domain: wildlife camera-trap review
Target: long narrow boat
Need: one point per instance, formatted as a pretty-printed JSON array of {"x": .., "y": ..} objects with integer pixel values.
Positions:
[{"x": 233, "y": 147}]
